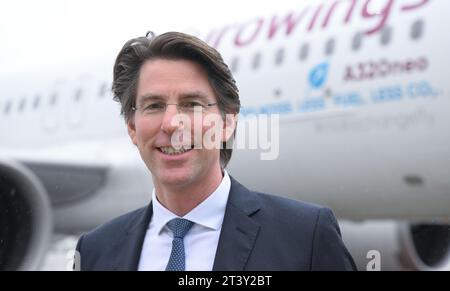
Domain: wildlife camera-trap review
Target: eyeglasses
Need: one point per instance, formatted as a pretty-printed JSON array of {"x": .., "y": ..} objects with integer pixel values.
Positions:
[{"x": 187, "y": 107}]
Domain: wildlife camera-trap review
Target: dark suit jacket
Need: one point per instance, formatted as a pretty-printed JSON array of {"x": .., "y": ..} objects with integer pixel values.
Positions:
[{"x": 259, "y": 232}]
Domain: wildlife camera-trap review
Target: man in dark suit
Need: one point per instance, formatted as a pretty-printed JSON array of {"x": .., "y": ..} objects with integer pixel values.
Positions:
[{"x": 170, "y": 88}]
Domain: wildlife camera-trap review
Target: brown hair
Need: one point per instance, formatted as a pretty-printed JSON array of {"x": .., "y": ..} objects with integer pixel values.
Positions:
[{"x": 174, "y": 45}]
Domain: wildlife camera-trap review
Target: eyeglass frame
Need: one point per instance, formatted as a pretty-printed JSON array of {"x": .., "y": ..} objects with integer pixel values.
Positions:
[{"x": 202, "y": 106}]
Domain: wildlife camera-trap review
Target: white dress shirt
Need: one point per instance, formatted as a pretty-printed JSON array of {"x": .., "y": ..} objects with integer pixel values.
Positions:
[{"x": 200, "y": 243}]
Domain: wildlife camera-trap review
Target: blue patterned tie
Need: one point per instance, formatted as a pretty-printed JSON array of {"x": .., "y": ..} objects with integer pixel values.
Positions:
[{"x": 179, "y": 227}]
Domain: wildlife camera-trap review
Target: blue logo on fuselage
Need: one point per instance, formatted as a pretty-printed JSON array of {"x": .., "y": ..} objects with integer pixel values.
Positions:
[{"x": 318, "y": 75}]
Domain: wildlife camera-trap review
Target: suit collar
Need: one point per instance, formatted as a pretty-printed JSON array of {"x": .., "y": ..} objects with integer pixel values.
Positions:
[
  {"x": 127, "y": 250},
  {"x": 239, "y": 230},
  {"x": 237, "y": 238}
]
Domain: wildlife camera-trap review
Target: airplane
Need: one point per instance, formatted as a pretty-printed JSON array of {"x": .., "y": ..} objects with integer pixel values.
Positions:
[{"x": 359, "y": 90}]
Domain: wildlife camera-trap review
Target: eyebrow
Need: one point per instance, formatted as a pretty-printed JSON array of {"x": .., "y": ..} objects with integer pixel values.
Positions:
[{"x": 188, "y": 95}]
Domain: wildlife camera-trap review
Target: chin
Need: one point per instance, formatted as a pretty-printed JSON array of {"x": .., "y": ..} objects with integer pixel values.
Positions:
[{"x": 175, "y": 177}]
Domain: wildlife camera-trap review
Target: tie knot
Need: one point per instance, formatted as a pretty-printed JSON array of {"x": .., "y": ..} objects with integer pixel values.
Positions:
[{"x": 179, "y": 226}]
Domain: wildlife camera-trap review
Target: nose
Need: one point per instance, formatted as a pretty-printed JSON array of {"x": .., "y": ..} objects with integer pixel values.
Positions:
[{"x": 168, "y": 124}]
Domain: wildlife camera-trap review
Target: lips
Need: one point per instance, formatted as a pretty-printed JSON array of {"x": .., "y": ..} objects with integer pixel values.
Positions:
[{"x": 169, "y": 150}]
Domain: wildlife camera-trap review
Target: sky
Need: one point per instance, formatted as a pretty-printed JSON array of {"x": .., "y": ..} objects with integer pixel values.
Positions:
[{"x": 55, "y": 33}]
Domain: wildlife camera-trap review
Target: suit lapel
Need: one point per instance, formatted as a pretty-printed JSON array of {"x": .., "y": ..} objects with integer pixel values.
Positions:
[
  {"x": 239, "y": 230},
  {"x": 237, "y": 238},
  {"x": 127, "y": 251}
]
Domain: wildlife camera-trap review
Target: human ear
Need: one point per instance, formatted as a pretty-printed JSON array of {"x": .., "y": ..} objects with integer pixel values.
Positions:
[{"x": 132, "y": 130}]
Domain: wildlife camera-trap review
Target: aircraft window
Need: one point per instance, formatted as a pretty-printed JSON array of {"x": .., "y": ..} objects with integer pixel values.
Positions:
[
  {"x": 22, "y": 105},
  {"x": 304, "y": 51},
  {"x": 36, "y": 101},
  {"x": 417, "y": 29},
  {"x": 329, "y": 47},
  {"x": 7, "y": 107},
  {"x": 234, "y": 64},
  {"x": 386, "y": 35},
  {"x": 78, "y": 95},
  {"x": 53, "y": 99},
  {"x": 256, "y": 61},
  {"x": 279, "y": 57},
  {"x": 277, "y": 93},
  {"x": 357, "y": 41},
  {"x": 102, "y": 91}
]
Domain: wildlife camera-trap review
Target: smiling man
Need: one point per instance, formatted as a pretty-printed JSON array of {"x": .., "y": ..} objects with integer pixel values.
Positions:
[
  {"x": 175, "y": 90},
  {"x": 186, "y": 176}
]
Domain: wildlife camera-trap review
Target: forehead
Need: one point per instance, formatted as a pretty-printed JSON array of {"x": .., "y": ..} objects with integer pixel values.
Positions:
[{"x": 172, "y": 78}]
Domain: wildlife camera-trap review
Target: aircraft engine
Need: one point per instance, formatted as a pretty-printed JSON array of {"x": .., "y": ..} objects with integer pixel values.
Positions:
[
  {"x": 25, "y": 218},
  {"x": 398, "y": 245}
]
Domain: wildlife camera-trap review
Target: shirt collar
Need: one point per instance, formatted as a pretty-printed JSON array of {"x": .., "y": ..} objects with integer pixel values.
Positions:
[{"x": 208, "y": 214}]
